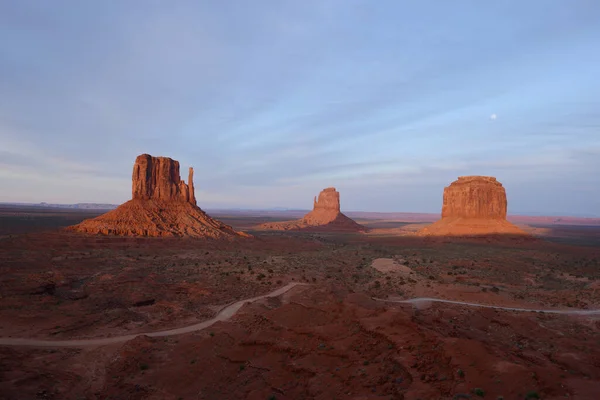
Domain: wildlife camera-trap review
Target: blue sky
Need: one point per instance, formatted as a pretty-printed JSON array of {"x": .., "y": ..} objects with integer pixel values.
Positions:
[{"x": 271, "y": 101}]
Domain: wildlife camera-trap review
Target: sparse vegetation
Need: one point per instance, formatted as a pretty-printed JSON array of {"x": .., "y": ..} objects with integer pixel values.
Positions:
[{"x": 130, "y": 271}]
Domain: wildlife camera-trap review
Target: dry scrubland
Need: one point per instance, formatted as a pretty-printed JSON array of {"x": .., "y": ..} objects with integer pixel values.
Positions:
[{"x": 325, "y": 340}]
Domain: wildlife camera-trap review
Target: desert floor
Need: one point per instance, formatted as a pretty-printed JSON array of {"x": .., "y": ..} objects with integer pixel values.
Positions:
[{"x": 330, "y": 338}]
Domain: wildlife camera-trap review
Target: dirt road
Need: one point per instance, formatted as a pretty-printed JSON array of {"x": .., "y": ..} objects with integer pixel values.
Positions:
[
  {"x": 425, "y": 301},
  {"x": 224, "y": 314},
  {"x": 229, "y": 311}
]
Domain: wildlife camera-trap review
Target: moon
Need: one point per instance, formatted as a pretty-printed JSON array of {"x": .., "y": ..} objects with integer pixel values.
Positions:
[{"x": 493, "y": 116}]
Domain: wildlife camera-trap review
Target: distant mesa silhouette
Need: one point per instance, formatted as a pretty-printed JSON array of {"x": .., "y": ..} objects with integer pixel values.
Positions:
[
  {"x": 473, "y": 206},
  {"x": 325, "y": 216},
  {"x": 161, "y": 205}
]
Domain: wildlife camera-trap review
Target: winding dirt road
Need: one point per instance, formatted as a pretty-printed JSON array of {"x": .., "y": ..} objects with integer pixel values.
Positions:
[
  {"x": 229, "y": 311},
  {"x": 425, "y": 301},
  {"x": 224, "y": 314}
]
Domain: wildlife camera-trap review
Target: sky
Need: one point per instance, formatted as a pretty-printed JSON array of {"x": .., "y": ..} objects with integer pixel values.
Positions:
[{"x": 273, "y": 100}]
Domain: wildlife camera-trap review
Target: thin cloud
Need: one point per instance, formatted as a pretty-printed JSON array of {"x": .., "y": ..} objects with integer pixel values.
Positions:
[{"x": 271, "y": 104}]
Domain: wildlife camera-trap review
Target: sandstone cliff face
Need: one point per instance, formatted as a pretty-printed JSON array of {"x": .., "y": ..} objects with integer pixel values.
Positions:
[
  {"x": 475, "y": 197},
  {"x": 325, "y": 216},
  {"x": 158, "y": 178},
  {"x": 473, "y": 206},
  {"x": 329, "y": 199},
  {"x": 161, "y": 205}
]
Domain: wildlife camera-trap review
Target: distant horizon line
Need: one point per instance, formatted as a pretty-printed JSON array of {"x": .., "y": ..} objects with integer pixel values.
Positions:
[{"x": 113, "y": 205}]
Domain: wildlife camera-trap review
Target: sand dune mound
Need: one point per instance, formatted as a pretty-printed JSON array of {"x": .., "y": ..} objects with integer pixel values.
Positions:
[
  {"x": 325, "y": 216},
  {"x": 162, "y": 205},
  {"x": 473, "y": 206},
  {"x": 457, "y": 226}
]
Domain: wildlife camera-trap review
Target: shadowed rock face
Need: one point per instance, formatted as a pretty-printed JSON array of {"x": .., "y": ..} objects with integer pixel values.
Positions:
[
  {"x": 158, "y": 178},
  {"x": 161, "y": 205},
  {"x": 475, "y": 197}
]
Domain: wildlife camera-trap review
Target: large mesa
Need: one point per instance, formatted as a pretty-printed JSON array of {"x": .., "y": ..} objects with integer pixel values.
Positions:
[
  {"x": 475, "y": 197},
  {"x": 162, "y": 204},
  {"x": 325, "y": 215},
  {"x": 473, "y": 206}
]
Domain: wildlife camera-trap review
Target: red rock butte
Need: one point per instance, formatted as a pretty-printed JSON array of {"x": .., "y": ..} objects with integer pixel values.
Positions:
[
  {"x": 473, "y": 206},
  {"x": 162, "y": 205},
  {"x": 326, "y": 215},
  {"x": 157, "y": 178}
]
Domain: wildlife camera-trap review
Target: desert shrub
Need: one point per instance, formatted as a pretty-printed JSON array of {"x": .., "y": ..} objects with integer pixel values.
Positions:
[
  {"x": 479, "y": 392},
  {"x": 532, "y": 395}
]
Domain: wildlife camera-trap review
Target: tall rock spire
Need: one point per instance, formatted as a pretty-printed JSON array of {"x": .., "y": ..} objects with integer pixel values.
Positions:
[{"x": 191, "y": 186}]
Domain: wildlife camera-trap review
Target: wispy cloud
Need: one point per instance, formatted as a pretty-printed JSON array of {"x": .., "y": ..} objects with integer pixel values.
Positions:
[{"x": 270, "y": 103}]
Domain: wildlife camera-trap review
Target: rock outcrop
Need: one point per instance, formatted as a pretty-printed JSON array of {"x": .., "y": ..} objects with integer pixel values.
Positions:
[
  {"x": 473, "y": 206},
  {"x": 325, "y": 216},
  {"x": 158, "y": 178},
  {"x": 162, "y": 205},
  {"x": 475, "y": 197},
  {"x": 329, "y": 199}
]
